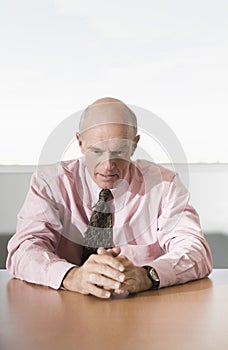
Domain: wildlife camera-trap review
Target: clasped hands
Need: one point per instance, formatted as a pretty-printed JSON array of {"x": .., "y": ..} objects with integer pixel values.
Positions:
[{"x": 107, "y": 273}]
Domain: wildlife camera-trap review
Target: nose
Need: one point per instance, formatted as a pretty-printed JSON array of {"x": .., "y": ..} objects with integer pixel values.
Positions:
[{"x": 109, "y": 164}]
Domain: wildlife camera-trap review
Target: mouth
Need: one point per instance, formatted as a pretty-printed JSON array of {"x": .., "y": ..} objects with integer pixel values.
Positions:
[{"x": 108, "y": 177}]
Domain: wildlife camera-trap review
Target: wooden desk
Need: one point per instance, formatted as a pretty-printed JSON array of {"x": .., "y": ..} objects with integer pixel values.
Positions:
[{"x": 188, "y": 317}]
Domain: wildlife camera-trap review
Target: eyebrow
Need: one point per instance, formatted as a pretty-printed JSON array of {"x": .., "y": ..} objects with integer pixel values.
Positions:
[
  {"x": 123, "y": 147},
  {"x": 92, "y": 148}
]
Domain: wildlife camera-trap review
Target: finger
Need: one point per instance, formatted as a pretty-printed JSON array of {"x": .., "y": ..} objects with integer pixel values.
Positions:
[
  {"x": 112, "y": 251},
  {"x": 106, "y": 259},
  {"x": 101, "y": 251},
  {"x": 133, "y": 281},
  {"x": 98, "y": 292},
  {"x": 124, "y": 260},
  {"x": 120, "y": 293},
  {"x": 103, "y": 281},
  {"x": 106, "y": 271},
  {"x": 124, "y": 288},
  {"x": 99, "y": 265},
  {"x": 115, "y": 251}
]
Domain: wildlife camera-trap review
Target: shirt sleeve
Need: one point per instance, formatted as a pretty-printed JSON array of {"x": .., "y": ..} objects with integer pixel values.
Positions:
[
  {"x": 32, "y": 250},
  {"x": 187, "y": 255}
]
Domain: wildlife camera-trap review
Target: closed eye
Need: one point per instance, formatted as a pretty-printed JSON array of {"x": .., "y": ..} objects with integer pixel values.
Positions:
[
  {"x": 121, "y": 152},
  {"x": 96, "y": 150},
  {"x": 117, "y": 153}
]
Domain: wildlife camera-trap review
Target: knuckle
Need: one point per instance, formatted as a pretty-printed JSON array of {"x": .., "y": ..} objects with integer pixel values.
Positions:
[
  {"x": 90, "y": 258},
  {"x": 93, "y": 278},
  {"x": 123, "y": 258},
  {"x": 105, "y": 270},
  {"x": 92, "y": 289}
]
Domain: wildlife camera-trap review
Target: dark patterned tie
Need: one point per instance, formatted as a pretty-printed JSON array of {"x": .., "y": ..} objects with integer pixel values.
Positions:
[{"x": 99, "y": 232}]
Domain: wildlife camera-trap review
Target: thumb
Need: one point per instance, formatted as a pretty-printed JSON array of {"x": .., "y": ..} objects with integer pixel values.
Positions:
[{"x": 111, "y": 252}]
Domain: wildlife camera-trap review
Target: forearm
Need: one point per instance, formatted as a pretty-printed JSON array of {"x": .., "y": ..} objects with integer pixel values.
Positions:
[
  {"x": 187, "y": 254},
  {"x": 34, "y": 262},
  {"x": 187, "y": 260}
]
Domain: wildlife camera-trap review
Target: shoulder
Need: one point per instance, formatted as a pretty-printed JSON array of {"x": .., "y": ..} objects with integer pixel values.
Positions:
[
  {"x": 151, "y": 170},
  {"x": 53, "y": 179},
  {"x": 63, "y": 170},
  {"x": 57, "y": 169}
]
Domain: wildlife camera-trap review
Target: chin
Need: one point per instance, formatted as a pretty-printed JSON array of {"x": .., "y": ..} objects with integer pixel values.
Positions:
[{"x": 106, "y": 185}]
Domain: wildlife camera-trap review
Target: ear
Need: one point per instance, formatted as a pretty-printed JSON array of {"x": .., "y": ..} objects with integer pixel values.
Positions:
[
  {"x": 80, "y": 141},
  {"x": 137, "y": 138}
]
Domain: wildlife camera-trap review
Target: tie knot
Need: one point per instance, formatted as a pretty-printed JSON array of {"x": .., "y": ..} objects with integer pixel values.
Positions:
[{"x": 104, "y": 194}]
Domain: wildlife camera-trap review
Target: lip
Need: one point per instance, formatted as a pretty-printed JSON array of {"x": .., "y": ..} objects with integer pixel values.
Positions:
[{"x": 108, "y": 177}]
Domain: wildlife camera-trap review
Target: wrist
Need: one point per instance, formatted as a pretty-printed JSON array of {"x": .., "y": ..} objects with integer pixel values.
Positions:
[
  {"x": 148, "y": 283},
  {"x": 67, "y": 279}
]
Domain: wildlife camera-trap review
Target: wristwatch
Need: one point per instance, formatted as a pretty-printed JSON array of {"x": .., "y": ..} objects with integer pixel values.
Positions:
[{"x": 153, "y": 276}]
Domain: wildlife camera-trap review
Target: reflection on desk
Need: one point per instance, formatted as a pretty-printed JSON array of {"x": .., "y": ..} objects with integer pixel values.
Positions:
[{"x": 190, "y": 316}]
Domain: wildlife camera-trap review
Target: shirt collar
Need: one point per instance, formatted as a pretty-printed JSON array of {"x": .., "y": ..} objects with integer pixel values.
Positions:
[{"x": 120, "y": 192}]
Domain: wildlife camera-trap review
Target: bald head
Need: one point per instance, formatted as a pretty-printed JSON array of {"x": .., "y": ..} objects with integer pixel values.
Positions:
[
  {"x": 106, "y": 100},
  {"x": 107, "y": 110},
  {"x": 108, "y": 139}
]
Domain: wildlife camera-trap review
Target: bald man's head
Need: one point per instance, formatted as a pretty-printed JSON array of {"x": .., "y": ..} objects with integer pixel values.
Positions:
[
  {"x": 107, "y": 110},
  {"x": 108, "y": 139}
]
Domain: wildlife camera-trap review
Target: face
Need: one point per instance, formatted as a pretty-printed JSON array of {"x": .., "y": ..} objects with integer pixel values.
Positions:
[{"x": 107, "y": 149}]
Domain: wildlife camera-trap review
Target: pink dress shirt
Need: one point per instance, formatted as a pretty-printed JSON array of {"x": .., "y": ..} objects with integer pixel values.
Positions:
[{"x": 153, "y": 224}]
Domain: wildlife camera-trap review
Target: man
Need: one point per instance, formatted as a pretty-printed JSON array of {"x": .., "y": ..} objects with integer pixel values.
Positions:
[{"x": 156, "y": 236}]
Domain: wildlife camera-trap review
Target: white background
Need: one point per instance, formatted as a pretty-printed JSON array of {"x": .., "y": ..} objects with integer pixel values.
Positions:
[{"x": 169, "y": 57}]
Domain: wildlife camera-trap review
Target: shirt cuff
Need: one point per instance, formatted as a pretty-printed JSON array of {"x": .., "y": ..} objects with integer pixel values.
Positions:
[
  {"x": 57, "y": 272},
  {"x": 165, "y": 272}
]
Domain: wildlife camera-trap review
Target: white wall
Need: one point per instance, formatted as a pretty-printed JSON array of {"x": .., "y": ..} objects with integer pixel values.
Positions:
[{"x": 209, "y": 195}]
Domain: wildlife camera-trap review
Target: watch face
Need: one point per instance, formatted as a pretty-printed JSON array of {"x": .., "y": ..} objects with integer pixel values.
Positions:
[{"x": 154, "y": 275}]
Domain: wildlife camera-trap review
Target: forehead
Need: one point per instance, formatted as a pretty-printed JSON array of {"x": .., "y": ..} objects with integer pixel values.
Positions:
[{"x": 111, "y": 133}]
